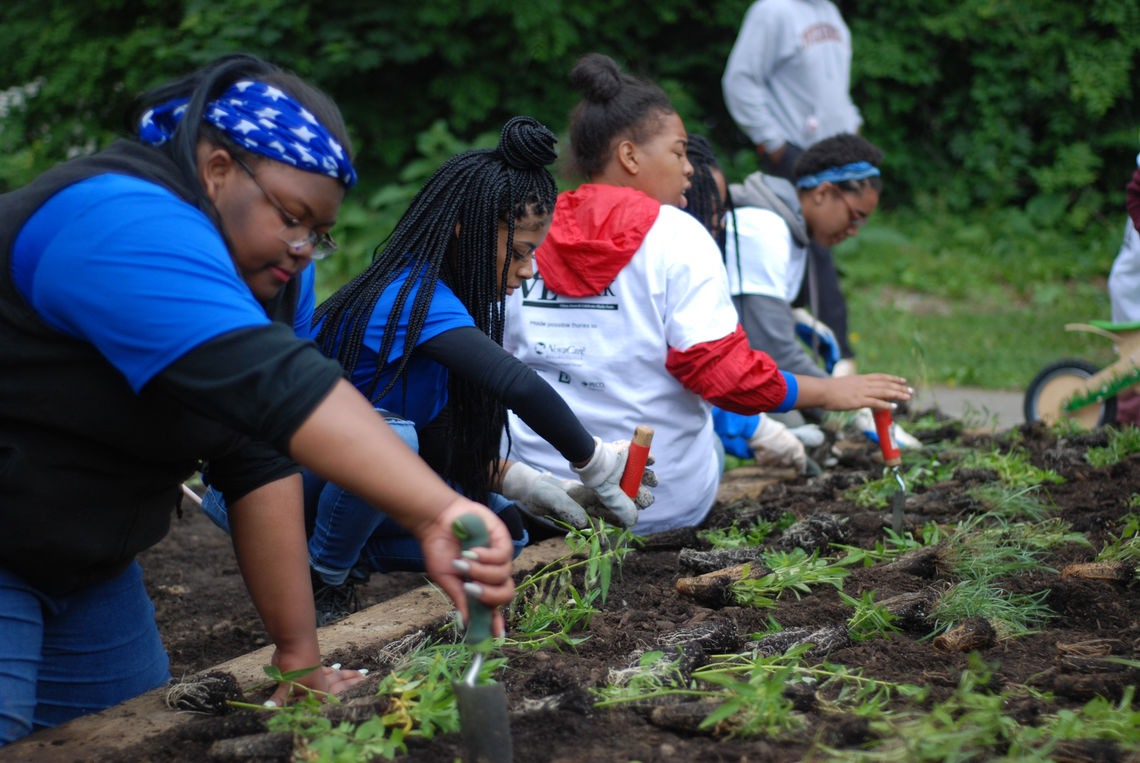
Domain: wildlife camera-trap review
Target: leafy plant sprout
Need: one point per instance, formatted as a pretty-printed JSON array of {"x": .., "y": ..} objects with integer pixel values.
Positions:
[
  {"x": 1122, "y": 443},
  {"x": 793, "y": 571},
  {"x": 1125, "y": 545},
  {"x": 753, "y": 535},
  {"x": 547, "y": 607},
  {"x": 870, "y": 619}
]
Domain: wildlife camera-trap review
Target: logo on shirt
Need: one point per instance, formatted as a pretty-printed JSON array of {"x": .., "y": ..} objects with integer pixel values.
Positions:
[
  {"x": 563, "y": 377},
  {"x": 595, "y": 386},
  {"x": 535, "y": 294},
  {"x": 550, "y": 349}
]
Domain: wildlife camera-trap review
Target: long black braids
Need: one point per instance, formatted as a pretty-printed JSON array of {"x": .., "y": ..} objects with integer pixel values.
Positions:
[
  {"x": 476, "y": 190},
  {"x": 703, "y": 200}
]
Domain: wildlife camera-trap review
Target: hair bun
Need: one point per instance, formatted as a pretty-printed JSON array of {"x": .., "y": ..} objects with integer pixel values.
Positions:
[
  {"x": 526, "y": 144},
  {"x": 597, "y": 77}
]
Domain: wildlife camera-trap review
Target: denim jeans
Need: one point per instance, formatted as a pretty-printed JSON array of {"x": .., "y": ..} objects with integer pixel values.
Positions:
[
  {"x": 348, "y": 536},
  {"x": 66, "y": 656}
]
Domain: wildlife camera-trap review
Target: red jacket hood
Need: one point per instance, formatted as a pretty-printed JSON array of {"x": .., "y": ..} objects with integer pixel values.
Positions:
[{"x": 596, "y": 231}]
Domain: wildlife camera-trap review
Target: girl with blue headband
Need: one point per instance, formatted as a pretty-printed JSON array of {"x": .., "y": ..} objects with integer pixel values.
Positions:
[
  {"x": 149, "y": 298},
  {"x": 836, "y": 188}
]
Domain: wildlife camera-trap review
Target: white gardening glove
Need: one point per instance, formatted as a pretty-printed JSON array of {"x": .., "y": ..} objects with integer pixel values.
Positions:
[
  {"x": 588, "y": 499},
  {"x": 603, "y": 473},
  {"x": 865, "y": 422},
  {"x": 543, "y": 494},
  {"x": 844, "y": 367},
  {"x": 773, "y": 444},
  {"x": 809, "y": 434}
]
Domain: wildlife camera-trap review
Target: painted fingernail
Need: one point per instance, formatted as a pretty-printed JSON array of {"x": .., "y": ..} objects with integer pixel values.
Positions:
[
  {"x": 460, "y": 566},
  {"x": 473, "y": 589},
  {"x": 363, "y": 671},
  {"x": 894, "y": 405},
  {"x": 335, "y": 666},
  {"x": 269, "y": 703},
  {"x": 469, "y": 554},
  {"x": 910, "y": 390}
]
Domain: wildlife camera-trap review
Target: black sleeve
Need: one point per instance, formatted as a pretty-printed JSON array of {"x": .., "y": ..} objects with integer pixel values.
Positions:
[
  {"x": 263, "y": 382},
  {"x": 471, "y": 354},
  {"x": 247, "y": 468}
]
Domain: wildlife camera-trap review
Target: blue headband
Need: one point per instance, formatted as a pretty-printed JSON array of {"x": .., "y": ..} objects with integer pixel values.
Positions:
[
  {"x": 855, "y": 171},
  {"x": 264, "y": 120}
]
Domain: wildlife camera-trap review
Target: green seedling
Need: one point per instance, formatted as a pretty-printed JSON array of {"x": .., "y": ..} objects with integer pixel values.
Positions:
[
  {"x": 748, "y": 537},
  {"x": 547, "y": 607},
  {"x": 870, "y": 620},
  {"x": 793, "y": 571},
  {"x": 1011, "y": 503},
  {"x": 1125, "y": 546},
  {"x": 1122, "y": 443},
  {"x": 654, "y": 677},
  {"x": 1010, "y": 614},
  {"x": 1013, "y": 467}
]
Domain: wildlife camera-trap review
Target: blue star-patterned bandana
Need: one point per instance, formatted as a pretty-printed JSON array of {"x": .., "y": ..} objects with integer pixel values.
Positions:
[
  {"x": 265, "y": 120},
  {"x": 853, "y": 171}
]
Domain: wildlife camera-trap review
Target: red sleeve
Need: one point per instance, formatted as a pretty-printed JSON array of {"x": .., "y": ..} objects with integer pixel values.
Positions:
[
  {"x": 1132, "y": 199},
  {"x": 731, "y": 375}
]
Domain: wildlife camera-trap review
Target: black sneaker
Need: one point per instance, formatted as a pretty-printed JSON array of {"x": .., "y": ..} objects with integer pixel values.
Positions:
[{"x": 333, "y": 602}]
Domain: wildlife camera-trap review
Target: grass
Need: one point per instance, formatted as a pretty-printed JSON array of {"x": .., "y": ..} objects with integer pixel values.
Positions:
[{"x": 974, "y": 300}]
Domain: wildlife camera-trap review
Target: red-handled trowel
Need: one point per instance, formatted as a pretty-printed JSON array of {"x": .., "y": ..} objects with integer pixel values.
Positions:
[
  {"x": 892, "y": 457},
  {"x": 483, "y": 717}
]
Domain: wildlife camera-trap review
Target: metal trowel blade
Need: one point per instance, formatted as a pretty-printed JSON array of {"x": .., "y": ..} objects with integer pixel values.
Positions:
[{"x": 484, "y": 722}]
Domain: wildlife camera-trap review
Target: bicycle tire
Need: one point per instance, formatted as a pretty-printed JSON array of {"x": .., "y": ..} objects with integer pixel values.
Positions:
[{"x": 1053, "y": 383}]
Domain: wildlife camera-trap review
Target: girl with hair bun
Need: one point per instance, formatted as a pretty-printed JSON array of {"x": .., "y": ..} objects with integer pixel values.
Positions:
[
  {"x": 639, "y": 287},
  {"x": 148, "y": 300},
  {"x": 419, "y": 332}
]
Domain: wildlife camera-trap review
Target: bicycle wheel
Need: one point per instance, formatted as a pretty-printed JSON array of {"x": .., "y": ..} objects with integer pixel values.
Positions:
[{"x": 1046, "y": 394}]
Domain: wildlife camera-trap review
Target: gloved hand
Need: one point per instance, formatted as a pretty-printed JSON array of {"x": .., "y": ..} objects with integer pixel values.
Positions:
[
  {"x": 543, "y": 494},
  {"x": 817, "y": 335},
  {"x": 603, "y": 473},
  {"x": 845, "y": 367},
  {"x": 865, "y": 422},
  {"x": 589, "y": 500},
  {"x": 774, "y": 444},
  {"x": 809, "y": 434}
]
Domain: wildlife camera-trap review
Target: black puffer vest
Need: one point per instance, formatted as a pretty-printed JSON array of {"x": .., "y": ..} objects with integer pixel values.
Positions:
[{"x": 89, "y": 470}]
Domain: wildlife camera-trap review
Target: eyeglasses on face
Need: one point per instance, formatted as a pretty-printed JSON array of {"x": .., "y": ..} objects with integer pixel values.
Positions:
[
  {"x": 294, "y": 233},
  {"x": 857, "y": 219}
]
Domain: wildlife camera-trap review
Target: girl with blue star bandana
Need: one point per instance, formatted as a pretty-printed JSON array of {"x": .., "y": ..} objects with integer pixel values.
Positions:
[{"x": 149, "y": 298}]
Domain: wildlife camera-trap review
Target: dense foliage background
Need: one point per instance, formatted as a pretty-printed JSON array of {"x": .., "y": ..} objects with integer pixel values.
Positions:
[{"x": 1010, "y": 126}]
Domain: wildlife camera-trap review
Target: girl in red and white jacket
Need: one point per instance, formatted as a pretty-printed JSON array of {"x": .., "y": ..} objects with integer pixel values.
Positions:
[{"x": 629, "y": 316}]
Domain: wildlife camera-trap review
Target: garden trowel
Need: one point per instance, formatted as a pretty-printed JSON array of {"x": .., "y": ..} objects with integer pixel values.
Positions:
[
  {"x": 892, "y": 457},
  {"x": 482, "y": 708}
]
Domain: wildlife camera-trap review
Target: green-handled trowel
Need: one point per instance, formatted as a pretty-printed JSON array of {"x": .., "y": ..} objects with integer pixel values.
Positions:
[{"x": 483, "y": 716}]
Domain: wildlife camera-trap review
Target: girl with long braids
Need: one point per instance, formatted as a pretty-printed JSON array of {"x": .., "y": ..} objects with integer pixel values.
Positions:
[
  {"x": 639, "y": 285},
  {"x": 147, "y": 299},
  {"x": 419, "y": 332}
]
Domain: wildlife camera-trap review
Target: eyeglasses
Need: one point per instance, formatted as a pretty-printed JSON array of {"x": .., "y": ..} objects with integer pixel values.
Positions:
[
  {"x": 294, "y": 233},
  {"x": 858, "y": 219}
]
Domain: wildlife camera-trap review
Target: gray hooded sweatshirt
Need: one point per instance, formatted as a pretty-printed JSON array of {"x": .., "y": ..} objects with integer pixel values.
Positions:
[
  {"x": 768, "y": 321},
  {"x": 789, "y": 73}
]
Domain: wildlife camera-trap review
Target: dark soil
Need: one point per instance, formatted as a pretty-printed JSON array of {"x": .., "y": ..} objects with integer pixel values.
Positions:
[{"x": 205, "y": 617}]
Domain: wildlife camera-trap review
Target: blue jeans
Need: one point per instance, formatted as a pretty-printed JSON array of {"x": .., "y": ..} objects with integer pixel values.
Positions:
[
  {"x": 348, "y": 536},
  {"x": 66, "y": 656}
]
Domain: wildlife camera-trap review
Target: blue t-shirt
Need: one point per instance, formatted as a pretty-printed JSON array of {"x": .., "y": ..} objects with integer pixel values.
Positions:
[
  {"x": 423, "y": 393},
  {"x": 127, "y": 266}
]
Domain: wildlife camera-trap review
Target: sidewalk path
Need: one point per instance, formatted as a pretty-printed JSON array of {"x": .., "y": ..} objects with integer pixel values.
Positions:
[{"x": 1001, "y": 409}]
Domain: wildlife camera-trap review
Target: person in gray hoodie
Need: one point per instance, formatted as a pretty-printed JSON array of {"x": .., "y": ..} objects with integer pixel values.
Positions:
[
  {"x": 787, "y": 86},
  {"x": 836, "y": 189}
]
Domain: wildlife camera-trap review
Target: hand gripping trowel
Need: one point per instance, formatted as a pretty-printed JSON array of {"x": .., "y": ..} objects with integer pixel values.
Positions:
[{"x": 483, "y": 716}]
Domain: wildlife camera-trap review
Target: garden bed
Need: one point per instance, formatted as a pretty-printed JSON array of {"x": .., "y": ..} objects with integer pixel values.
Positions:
[{"x": 804, "y": 678}]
